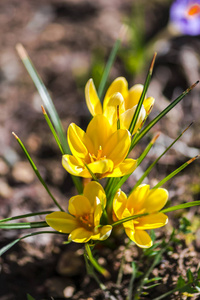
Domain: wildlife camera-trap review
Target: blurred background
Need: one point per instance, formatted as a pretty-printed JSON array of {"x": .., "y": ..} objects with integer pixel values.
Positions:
[{"x": 69, "y": 41}]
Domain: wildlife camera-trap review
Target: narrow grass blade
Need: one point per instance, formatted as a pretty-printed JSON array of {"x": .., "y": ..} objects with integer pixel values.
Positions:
[
  {"x": 146, "y": 173},
  {"x": 162, "y": 114},
  {"x": 91, "y": 173},
  {"x": 145, "y": 88},
  {"x": 95, "y": 264},
  {"x": 110, "y": 62},
  {"x": 26, "y": 225},
  {"x": 147, "y": 149},
  {"x": 52, "y": 130},
  {"x": 129, "y": 219},
  {"x": 36, "y": 171},
  {"x": 25, "y": 216},
  {"x": 10, "y": 245},
  {"x": 44, "y": 95},
  {"x": 183, "y": 166},
  {"x": 48, "y": 103},
  {"x": 181, "y": 206}
]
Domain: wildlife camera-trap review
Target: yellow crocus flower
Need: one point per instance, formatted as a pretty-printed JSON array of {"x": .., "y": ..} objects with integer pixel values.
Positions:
[
  {"x": 119, "y": 96},
  {"x": 142, "y": 200},
  {"x": 100, "y": 149},
  {"x": 82, "y": 223}
]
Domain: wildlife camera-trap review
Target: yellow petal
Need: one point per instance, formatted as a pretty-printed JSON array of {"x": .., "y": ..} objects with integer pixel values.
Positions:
[
  {"x": 79, "y": 205},
  {"x": 61, "y": 221},
  {"x": 117, "y": 146},
  {"x": 99, "y": 130},
  {"x": 125, "y": 168},
  {"x": 101, "y": 167},
  {"x": 134, "y": 96},
  {"x": 119, "y": 203},
  {"x": 140, "y": 237},
  {"x": 74, "y": 166},
  {"x": 127, "y": 116},
  {"x": 118, "y": 85},
  {"x": 79, "y": 142},
  {"x": 97, "y": 214},
  {"x": 103, "y": 234},
  {"x": 148, "y": 104},
  {"x": 92, "y": 190},
  {"x": 80, "y": 235},
  {"x": 137, "y": 198},
  {"x": 92, "y": 99},
  {"x": 157, "y": 198},
  {"x": 110, "y": 110},
  {"x": 152, "y": 221}
]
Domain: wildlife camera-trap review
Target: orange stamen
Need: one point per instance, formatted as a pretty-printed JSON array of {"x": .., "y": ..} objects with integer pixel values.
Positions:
[{"x": 193, "y": 10}]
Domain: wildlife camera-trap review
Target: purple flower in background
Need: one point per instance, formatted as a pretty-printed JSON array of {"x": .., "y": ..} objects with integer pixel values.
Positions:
[{"x": 185, "y": 16}]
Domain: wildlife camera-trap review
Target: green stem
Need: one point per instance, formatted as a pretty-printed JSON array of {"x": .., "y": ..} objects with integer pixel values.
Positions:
[
  {"x": 95, "y": 264},
  {"x": 36, "y": 171},
  {"x": 26, "y": 225},
  {"x": 26, "y": 216}
]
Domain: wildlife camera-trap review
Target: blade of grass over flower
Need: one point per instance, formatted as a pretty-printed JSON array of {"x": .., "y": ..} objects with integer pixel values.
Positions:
[
  {"x": 161, "y": 115},
  {"x": 129, "y": 219},
  {"x": 111, "y": 61},
  {"x": 91, "y": 173},
  {"x": 36, "y": 171},
  {"x": 148, "y": 170},
  {"x": 52, "y": 130},
  {"x": 7, "y": 247},
  {"x": 26, "y": 216},
  {"x": 183, "y": 166},
  {"x": 48, "y": 105},
  {"x": 26, "y": 225},
  {"x": 181, "y": 206},
  {"x": 145, "y": 88},
  {"x": 95, "y": 264}
]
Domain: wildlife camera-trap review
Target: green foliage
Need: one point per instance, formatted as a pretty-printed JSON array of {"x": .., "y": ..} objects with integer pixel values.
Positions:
[{"x": 29, "y": 297}]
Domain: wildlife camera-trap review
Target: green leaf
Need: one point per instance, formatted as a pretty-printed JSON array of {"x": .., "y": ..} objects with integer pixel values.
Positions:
[
  {"x": 26, "y": 225},
  {"x": 29, "y": 297},
  {"x": 25, "y": 216},
  {"x": 10, "y": 245},
  {"x": 180, "y": 282},
  {"x": 181, "y": 206},
  {"x": 190, "y": 276}
]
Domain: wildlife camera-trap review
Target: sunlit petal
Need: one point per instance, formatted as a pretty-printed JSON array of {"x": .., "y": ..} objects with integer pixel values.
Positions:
[
  {"x": 79, "y": 142},
  {"x": 116, "y": 101},
  {"x": 92, "y": 190},
  {"x": 148, "y": 104},
  {"x": 99, "y": 130},
  {"x": 103, "y": 233},
  {"x": 119, "y": 203},
  {"x": 126, "y": 167},
  {"x": 79, "y": 205},
  {"x": 120, "y": 85},
  {"x": 152, "y": 221},
  {"x": 127, "y": 116},
  {"x": 61, "y": 221},
  {"x": 101, "y": 166},
  {"x": 80, "y": 235},
  {"x": 140, "y": 237},
  {"x": 73, "y": 165},
  {"x": 134, "y": 96},
  {"x": 97, "y": 214},
  {"x": 157, "y": 198},
  {"x": 92, "y": 99},
  {"x": 138, "y": 198},
  {"x": 117, "y": 146}
]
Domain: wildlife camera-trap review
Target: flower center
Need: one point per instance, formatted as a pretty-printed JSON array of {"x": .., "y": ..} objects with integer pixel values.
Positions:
[
  {"x": 86, "y": 221},
  {"x": 97, "y": 157},
  {"x": 193, "y": 10}
]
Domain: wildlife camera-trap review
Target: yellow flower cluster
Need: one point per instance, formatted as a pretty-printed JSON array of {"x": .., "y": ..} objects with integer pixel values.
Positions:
[{"x": 102, "y": 151}]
